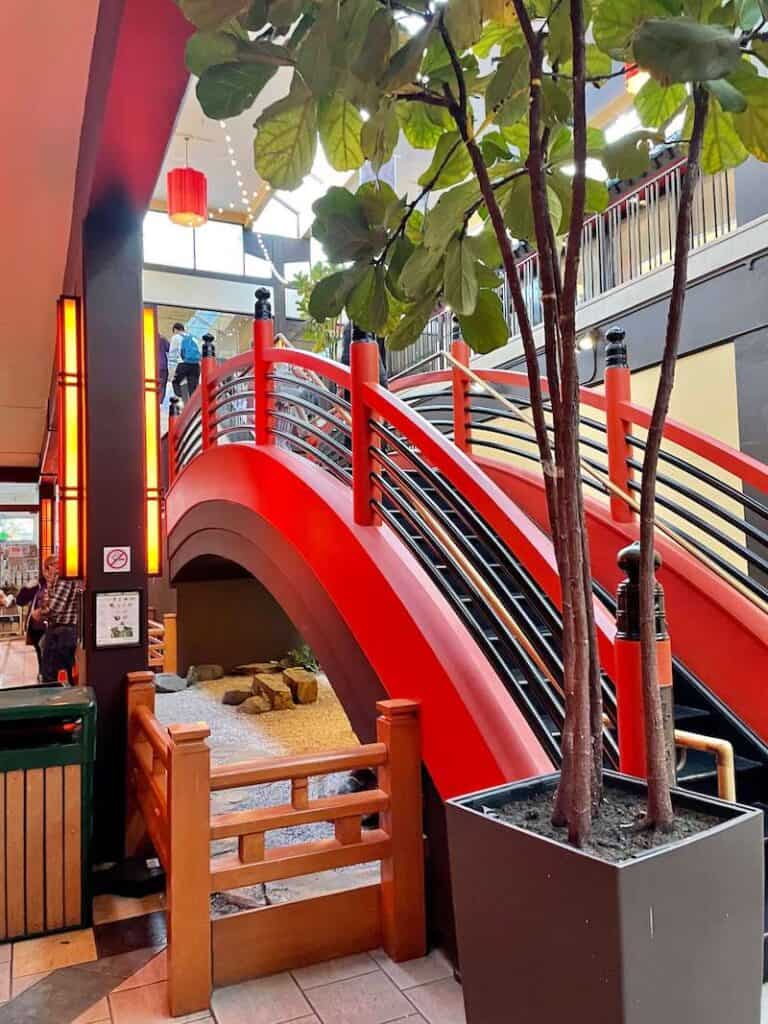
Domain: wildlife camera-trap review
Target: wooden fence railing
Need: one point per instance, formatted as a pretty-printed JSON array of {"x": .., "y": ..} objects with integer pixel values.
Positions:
[{"x": 170, "y": 781}]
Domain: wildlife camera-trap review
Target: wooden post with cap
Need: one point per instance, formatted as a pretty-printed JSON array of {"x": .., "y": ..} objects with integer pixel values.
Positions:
[
  {"x": 207, "y": 366},
  {"x": 364, "y": 370},
  {"x": 263, "y": 337},
  {"x": 460, "y": 389},
  {"x": 174, "y": 411},
  {"x": 190, "y": 979},
  {"x": 629, "y": 676},
  {"x": 402, "y": 873},
  {"x": 618, "y": 389}
]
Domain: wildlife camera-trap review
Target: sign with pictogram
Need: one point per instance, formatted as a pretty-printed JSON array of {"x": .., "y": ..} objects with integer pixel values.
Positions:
[{"x": 117, "y": 559}]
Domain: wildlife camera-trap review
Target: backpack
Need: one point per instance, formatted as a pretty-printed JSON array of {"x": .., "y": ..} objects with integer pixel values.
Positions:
[{"x": 190, "y": 353}]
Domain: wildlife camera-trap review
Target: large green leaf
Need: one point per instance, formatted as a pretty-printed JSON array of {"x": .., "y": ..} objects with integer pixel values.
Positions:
[
  {"x": 206, "y": 49},
  {"x": 556, "y": 102},
  {"x": 495, "y": 33},
  {"x": 283, "y": 13},
  {"x": 616, "y": 20},
  {"x": 211, "y": 14},
  {"x": 404, "y": 65},
  {"x": 727, "y": 95},
  {"x": 419, "y": 270},
  {"x": 752, "y": 125},
  {"x": 485, "y": 246},
  {"x": 381, "y": 204},
  {"x": 750, "y": 13},
  {"x": 422, "y": 124},
  {"x": 401, "y": 252},
  {"x": 459, "y": 277},
  {"x": 411, "y": 326},
  {"x": 329, "y": 295},
  {"x": 342, "y": 227},
  {"x": 314, "y": 57},
  {"x": 656, "y": 104},
  {"x": 518, "y": 210},
  {"x": 485, "y": 329},
  {"x": 596, "y": 198},
  {"x": 450, "y": 164},
  {"x": 368, "y": 304},
  {"x": 446, "y": 217},
  {"x": 255, "y": 18},
  {"x": 721, "y": 146},
  {"x": 380, "y": 40},
  {"x": 701, "y": 10},
  {"x": 379, "y": 135},
  {"x": 629, "y": 156},
  {"x": 340, "y": 125},
  {"x": 507, "y": 91},
  {"x": 226, "y": 90},
  {"x": 286, "y": 141},
  {"x": 464, "y": 21},
  {"x": 680, "y": 50}
]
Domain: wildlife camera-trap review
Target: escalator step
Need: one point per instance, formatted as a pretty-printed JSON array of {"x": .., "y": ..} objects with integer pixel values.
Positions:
[
  {"x": 683, "y": 713},
  {"x": 700, "y": 765}
]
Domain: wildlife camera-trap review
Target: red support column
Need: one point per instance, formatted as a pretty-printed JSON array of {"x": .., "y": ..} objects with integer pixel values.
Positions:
[
  {"x": 364, "y": 369},
  {"x": 263, "y": 335},
  {"x": 618, "y": 389},
  {"x": 460, "y": 389},
  {"x": 629, "y": 679},
  {"x": 207, "y": 366}
]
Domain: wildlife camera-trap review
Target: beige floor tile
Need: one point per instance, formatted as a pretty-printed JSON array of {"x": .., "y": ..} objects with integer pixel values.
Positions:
[
  {"x": 440, "y": 1002},
  {"x": 19, "y": 985},
  {"x": 5, "y": 953},
  {"x": 153, "y": 971},
  {"x": 5, "y": 981},
  {"x": 334, "y": 970},
  {"x": 108, "y": 908},
  {"x": 95, "y": 1015},
  {"x": 272, "y": 1000},
  {"x": 410, "y": 973},
  {"x": 149, "y": 1005},
  {"x": 370, "y": 999},
  {"x": 33, "y": 956}
]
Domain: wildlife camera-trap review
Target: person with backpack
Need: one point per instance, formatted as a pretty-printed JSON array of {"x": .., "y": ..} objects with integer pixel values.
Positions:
[{"x": 188, "y": 368}]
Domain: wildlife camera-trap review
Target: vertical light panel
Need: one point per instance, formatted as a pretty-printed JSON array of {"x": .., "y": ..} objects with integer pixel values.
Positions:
[
  {"x": 46, "y": 529},
  {"x": 71, "y": 428},
  {"x": 151, "y": 442}
]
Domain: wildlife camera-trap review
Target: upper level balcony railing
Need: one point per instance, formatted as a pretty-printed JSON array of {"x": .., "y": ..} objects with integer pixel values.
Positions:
[{"x": 633, "y": 237}]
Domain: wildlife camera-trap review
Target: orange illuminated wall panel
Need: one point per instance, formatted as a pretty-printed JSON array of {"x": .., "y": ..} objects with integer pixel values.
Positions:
[
  {"x": 152, "y": 442},
  {"x": 71, "y": 431}
]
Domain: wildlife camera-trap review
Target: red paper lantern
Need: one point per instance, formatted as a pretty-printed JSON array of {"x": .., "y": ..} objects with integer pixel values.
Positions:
[{"x": 187, "y": 197}]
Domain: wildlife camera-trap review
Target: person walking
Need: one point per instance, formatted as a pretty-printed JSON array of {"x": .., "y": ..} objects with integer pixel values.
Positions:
[
  {"x": 35, "y": 597},
  {"x": 59, "y": 643},
  {"x": 187, "y": 375},
  {"x": 163, "y": 348}
]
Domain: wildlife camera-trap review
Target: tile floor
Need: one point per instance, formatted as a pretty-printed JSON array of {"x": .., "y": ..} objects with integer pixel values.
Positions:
[
  {"x": 115, "y": 973},
  {"x": 18, "y": 663}
]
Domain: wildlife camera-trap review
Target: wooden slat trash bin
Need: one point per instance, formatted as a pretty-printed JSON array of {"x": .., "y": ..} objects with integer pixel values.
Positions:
[{"x": 47, "y": 752}]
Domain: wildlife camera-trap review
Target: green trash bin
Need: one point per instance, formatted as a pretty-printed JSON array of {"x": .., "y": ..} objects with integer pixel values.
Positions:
[{"x": 47, "y": 753}]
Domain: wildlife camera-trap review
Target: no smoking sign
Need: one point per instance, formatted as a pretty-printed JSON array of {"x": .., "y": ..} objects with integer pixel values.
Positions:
[{"x": 117, "y": 559}]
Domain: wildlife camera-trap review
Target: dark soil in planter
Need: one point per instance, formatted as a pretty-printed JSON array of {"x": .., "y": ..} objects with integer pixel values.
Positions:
[{"x": 616, "y": 832}]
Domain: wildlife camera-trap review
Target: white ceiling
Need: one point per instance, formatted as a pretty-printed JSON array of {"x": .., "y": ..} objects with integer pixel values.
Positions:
[{"x": 41, "y": 110}]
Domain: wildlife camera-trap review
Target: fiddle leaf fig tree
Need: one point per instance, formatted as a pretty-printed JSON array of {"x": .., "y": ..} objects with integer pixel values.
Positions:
[{"x": 496, "y": 92}]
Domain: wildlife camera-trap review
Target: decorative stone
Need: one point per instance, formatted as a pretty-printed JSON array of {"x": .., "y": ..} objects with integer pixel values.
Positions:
[
  {"x": 207, "y": 673},
  {"x": 167, "y": 682},
  {"x": 253, "y": 668},
  {"x": 235, "y": 697},
  {"x": 302, "y": 683},
  {"x": 255, "y": 705},
  {"x": 272, "y": 686}
]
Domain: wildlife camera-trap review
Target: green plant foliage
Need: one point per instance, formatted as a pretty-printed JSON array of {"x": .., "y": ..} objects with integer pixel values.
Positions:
[
  {"x": 485, "y": 329},
  {"x": 727, "y": 95},
  {"x": 450, "y": 164},
  {"x": 329, "y": 294},
  {"x": 368, "y": 304},
  {"x": 507, "y": 91},
  {"x": 379, "y": 135},
  {"x": 518, "y": 209},
  {"x": 282, "y": 13},
  {"x": 405, "y": 64},
  {"x": 485, "y": 246},
  {"x": 319, "y": 304},
  {"x": 680, "y": 50},
  {"x": 204, "y": 49},
  {"x": 629, "y": 156},
  {"x": 752, "y": 123},
  {"x": 340, "y": 125},
  {"x": 286, "y": 140},
  {"x": 226, "y": 90},
  {"x": 721, "y": 147},
  {"x": 343, "y": 229},
  {"x": 460, "y": 277},
  {"x": 657, "y": 104},
  {"x": 212, "y": 14},
  {"x": 380, "y": 41},
  {"x": 411, "y": 325},
  {"x": 303, "y": 657},
  {"x": 422, "y": 124},
  {"x": 420, "y": 270},
  {"x": 616, "y": 22},
  {"x": 464, "y": 21},
  {"x": 445, "y": 219}
]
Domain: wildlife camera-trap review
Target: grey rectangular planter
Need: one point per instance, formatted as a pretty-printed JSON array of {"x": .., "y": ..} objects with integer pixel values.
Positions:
[{"x": 549, "y": 934}]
